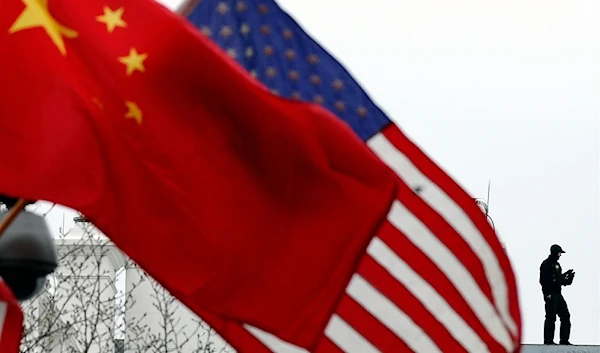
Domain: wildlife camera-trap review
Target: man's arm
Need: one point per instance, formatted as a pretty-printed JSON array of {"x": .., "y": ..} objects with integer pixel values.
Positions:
[{"x": 567, "y": 278}]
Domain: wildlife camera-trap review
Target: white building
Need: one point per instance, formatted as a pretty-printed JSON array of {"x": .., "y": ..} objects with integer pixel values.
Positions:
[{"x": 98, "y": 301}]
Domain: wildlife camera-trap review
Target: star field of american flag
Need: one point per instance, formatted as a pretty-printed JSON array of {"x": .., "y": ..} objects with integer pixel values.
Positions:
[
  {"x": 275, "y": 50},
  {"x": 435, "y": 278}
]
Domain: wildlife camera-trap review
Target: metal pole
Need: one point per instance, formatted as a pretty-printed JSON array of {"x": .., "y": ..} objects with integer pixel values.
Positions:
[{"x": 12, "y": 214}]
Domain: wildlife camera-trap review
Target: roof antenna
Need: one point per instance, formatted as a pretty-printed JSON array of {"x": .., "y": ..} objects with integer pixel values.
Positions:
[{"x": 487, "y": 209}]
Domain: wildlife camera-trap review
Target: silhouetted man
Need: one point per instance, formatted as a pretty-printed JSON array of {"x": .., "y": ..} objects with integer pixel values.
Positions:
[{"x": 552, "y": 279}]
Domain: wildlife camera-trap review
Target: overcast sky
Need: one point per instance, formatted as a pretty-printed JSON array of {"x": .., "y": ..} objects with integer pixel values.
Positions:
[{"x": 506, "y": 90}]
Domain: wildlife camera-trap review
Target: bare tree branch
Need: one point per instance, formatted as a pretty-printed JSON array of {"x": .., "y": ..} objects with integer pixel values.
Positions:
[{"x": 78, "y": 310}]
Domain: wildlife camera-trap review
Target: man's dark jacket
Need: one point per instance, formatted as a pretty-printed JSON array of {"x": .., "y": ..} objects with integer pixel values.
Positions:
[{"x": 551, "y": 275}]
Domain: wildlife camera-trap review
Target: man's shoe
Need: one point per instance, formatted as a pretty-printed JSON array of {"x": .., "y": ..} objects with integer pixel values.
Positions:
[
  {"x": 550, "y": 343},
  {"x": 565, "y": 343}
]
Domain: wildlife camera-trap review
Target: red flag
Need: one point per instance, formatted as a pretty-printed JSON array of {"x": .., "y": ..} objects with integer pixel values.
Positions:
[
  {"x": 11, "y": 321},
  {"x": 245, "y": 206}
]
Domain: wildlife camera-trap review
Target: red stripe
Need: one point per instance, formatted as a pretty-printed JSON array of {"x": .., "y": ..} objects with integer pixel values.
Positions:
[
  {"x": 463, "y": 200},
  {"x": 447, "y": 235},
  {"x": 326, "y": 346},
  {"x": 421, "y": 264},
  {"x": 387, "y": 285},
  {"x": 236, "y": 335},
  {"x": 369, "y": 327}
]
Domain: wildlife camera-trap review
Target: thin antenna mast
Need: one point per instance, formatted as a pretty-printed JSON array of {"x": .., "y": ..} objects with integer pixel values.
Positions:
[{"x": 487, "y": 209}]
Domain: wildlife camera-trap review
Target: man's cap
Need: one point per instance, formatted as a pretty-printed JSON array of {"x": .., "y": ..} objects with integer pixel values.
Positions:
[{"x": 556, "y": 249}]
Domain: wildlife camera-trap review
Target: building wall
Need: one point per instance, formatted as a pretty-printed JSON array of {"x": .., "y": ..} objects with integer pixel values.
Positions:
[
  {"x": 76, "y": 312},
  {"x": 95, "y": 289},
  {"x": 533, "y": 348},
  {"x": 165, "y": 319}
]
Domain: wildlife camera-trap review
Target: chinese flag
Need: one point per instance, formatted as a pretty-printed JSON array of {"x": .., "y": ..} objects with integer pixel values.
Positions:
[
  {"x": 11, "y": 321},
  {"x": 245, "y": 206}
]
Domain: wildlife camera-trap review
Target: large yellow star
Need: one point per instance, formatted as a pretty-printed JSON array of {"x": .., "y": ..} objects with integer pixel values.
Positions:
[
  {"x": 134, "y": 61},
  {"x": 36, "y": 14},
  {"x": 112, "y": 19},
  {"x": 133, "y": 112}
]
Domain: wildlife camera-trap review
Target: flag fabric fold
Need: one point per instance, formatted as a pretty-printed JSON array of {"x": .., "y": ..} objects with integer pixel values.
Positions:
[
  {"x": 247, "y": 207},
  {"x": 435, "y": 278},
  {"x": 11, "y": 321}
]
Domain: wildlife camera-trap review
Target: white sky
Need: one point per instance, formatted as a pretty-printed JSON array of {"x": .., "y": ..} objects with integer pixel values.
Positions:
[{"x": 505, "y": 90}]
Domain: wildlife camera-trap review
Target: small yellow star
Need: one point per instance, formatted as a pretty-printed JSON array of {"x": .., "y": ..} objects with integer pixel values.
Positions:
[
  {"x": 36, "y": 14},
  {"x": 97, "y": 102},
  {"x": 133, "y": 112},
  {"x": 112, "y": 19},
  {"x": 134, "y": 61}
]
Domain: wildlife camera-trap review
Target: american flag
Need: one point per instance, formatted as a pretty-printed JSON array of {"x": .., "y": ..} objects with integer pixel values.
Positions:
[{"x": 435, "y": 278}]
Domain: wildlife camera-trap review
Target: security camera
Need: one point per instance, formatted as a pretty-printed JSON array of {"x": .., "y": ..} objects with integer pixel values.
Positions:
[{"x": 27, "y": 254}]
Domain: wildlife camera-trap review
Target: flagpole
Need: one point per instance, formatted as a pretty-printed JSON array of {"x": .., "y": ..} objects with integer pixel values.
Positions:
[
  {"x": 13, "y": 212},
  {"x": 486, "y": 205},
  {"x": 186, "y": 7}
]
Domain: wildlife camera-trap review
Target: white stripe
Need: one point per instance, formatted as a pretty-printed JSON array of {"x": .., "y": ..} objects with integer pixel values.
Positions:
[
  {"x": 346, "y": 338},
  {"x": 3, "y": 311},
  {"x": 454, "y": 270},
  {"x": 274, "y": 343},
  {"x": 338, "y": 331},
  {"x": 390, "y": 315},
  {"x": 453, "y": 214},
  {"x": 427, "y": 295}
]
